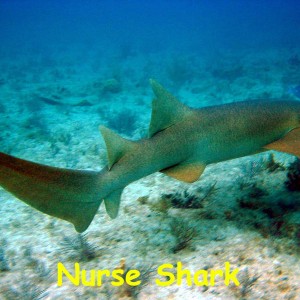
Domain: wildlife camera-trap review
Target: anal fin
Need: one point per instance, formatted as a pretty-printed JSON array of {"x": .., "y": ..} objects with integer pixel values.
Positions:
[
  {"x": 290, "y": 143},
  {"x": 187, "y": 172},
  {"x": 112, "y": 203}
]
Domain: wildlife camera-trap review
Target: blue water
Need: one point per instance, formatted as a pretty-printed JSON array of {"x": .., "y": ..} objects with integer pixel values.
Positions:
[
  {"x": 104, "y": 52},
  {"x": 89, "y": 62},
  {"x": 295, "y": 91},
  {"x": 148, "y": 25}
]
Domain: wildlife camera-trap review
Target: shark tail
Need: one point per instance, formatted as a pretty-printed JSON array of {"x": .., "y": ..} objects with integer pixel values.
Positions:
[{"x": 71, "y": 195}]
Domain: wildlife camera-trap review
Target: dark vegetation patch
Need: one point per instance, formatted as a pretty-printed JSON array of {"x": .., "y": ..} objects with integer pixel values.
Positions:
[
  {"x": 183, "y": 232},
  {"x": 293, "y": 176},
  {"x": 247, "y": 281},
  {"x": 269, "y": 211},
  {"x": 270, "y": 215},
  {"x": 123, "y": 121},
  {"x": 4, "y": 263},
  {"x": 185, "y": 199},
  {"x": 79, "y": 247},
  {"x": 146, "y": 274},
  {"x": 272, "y": 165}
]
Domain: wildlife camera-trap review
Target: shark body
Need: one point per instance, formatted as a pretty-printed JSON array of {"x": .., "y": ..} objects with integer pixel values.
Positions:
[{"x": 182, "y": 141}]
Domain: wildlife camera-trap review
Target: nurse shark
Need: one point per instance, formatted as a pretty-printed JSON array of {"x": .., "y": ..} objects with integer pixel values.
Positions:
[{"x": 182, "y": 142}]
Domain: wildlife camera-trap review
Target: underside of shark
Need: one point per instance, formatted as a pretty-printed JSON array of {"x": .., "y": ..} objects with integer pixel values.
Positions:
[{"x": 181, "y": 142}]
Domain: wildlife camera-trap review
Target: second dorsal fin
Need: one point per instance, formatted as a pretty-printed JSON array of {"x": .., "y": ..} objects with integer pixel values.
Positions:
[
  {"x": 116, "y": 146},
  {"x": 166, "y": 109}
]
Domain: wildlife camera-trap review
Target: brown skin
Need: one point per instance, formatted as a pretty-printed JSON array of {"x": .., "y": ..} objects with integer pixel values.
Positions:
[
  {"x": 211, "y": 135},
  {"x": 182, "y": 150}
]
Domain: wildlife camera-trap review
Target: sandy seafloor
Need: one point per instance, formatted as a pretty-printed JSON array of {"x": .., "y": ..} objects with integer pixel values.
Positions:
[{"x": 51, "y": 107}]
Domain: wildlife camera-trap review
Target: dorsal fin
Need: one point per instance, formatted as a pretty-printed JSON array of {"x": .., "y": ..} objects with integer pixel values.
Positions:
[
  {"x": 166, "y": 109},
  {"x": 116, "y": 146}
]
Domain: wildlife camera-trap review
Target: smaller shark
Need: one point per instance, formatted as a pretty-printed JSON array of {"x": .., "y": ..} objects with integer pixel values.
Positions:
[{"x": 181, "y": 142}]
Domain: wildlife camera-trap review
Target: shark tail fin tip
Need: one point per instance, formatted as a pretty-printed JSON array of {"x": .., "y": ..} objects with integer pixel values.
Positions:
[{"x": 66, "y": 194}]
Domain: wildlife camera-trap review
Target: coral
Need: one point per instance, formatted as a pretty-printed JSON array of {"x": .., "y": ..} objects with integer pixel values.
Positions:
[
  {"x": 186, "y": 199},
  {"x": 293, "y": 175},
  {"x": 183, "y": 232}
]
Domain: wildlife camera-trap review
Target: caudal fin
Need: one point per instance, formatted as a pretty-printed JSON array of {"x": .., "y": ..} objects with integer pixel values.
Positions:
[{"x": 71, "y": 195}]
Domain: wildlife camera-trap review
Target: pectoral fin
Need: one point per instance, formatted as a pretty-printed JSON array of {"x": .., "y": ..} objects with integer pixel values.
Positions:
[
  {"x": 290, "y": 143},
  {"x": 187, "y": 172}
]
